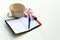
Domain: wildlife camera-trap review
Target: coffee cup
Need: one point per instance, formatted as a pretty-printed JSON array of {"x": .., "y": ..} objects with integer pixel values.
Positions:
[{"x": 16, "y": 10}]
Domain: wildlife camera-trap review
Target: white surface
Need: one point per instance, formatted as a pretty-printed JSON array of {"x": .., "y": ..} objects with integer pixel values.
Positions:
[
  {"x": 21, "y": 24},
  {"x": 48, "y": 13}
]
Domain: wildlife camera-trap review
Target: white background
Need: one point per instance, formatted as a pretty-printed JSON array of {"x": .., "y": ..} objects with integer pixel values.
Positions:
[{"x": 47, "y": 12}]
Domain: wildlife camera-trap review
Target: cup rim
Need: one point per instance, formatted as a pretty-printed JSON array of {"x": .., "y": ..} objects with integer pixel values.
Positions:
[{"x": 19, "y": 9}]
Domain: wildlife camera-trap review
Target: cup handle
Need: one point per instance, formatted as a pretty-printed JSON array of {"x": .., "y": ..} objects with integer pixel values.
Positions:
[{"x": 9, "y": 15}]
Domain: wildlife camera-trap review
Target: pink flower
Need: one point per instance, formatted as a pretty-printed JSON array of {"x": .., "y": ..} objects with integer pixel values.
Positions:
[{"x": 27, "y": 12}]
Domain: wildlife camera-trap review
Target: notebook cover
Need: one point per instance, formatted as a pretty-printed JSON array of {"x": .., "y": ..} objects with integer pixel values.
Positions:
[{"x": 24, "y": 31}]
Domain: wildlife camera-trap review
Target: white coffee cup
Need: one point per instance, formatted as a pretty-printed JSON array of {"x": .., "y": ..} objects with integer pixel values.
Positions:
[{"x": 16, "y": 10}]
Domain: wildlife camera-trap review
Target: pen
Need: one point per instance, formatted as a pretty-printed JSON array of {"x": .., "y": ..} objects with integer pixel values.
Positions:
[{"x": 29, "y": 19}]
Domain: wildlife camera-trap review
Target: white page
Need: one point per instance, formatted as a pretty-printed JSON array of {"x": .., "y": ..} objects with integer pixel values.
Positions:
[{"x": 21, "y": 25}]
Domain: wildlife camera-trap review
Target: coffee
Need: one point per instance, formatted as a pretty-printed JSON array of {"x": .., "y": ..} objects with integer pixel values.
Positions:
[{"x": 17, "y": 7}]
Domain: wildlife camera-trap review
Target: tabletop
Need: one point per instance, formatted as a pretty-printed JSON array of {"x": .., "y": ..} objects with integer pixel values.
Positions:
[{"x": 47, "y": 12}]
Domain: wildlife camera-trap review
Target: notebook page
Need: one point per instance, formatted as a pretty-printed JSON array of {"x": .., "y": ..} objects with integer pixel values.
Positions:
[
  {"x": 16, "y": 26},
  {"x": 33, "y": 24},
  {"x": 24, "y": 21}
]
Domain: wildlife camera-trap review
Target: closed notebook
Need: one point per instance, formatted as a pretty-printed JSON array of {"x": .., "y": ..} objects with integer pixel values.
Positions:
[{"x": 21, "y": 25}]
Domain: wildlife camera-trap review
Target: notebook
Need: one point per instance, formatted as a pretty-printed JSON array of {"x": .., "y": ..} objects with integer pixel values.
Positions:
[{"x": 21, "y": 25}]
